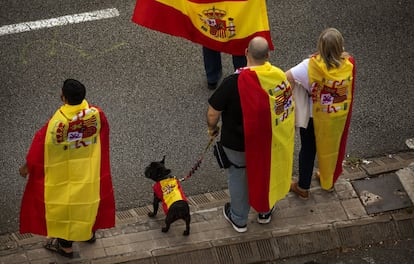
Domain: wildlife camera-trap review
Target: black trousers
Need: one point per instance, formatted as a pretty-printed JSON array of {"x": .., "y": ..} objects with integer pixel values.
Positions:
[{"x": 307, "y": 155}]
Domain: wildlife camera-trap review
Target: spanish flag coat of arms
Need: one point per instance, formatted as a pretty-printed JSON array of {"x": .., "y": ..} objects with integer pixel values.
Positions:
[
  {"x": 69, "y": 191},
  {"x": 332, "y": 96},
  {"x": 221, "y": 25},
  {"x": 269, "y": 133}
]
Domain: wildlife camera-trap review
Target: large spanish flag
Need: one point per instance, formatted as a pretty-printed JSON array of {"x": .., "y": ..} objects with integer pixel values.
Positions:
[
  {"x": 69, "y": 192},
  {"x": 269, "y": 130},
  {"x": 222, "y": 25},
  {"x": 332, "y": 97}
]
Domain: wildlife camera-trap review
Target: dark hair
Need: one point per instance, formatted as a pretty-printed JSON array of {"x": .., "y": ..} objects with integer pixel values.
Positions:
[{"x": 74, "y": 91}]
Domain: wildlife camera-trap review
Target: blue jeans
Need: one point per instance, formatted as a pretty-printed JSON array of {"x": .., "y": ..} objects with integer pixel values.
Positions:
[
  {"x": 237, "y": 184},
  {"x": 213, "y": 66},
  {"x": 238, "y": 187}
]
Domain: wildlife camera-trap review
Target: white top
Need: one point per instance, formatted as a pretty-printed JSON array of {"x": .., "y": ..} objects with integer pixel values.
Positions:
[{"x": 300, "y": 74}]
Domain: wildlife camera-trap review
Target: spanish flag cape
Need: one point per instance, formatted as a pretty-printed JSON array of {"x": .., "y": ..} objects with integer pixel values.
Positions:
[
  {"x": 332, "y": 96},
  {"x": 269, "y": 131},
  {"x": 69, "y": 192},
  {"x": 168, "y": 191},
  {"x": 221, "y": 25}
]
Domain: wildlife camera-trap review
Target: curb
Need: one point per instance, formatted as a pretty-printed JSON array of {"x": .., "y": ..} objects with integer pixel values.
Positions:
[
  {"x": 266, "y": 243},
  {"x": 272, "y": 246}
]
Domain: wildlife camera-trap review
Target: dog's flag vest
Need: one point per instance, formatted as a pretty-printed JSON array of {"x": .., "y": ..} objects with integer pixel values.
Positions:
[
  {"x": 332, "y": 96},
  {"x": 268, "y": 120},
  {"x": 69, "y": 191},
  {"x": 168, "y": 191},
  {"x": 222, "y": 25}
]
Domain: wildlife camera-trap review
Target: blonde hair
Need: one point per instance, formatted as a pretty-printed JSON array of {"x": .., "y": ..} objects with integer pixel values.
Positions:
[{"x": 331, "y": 47}]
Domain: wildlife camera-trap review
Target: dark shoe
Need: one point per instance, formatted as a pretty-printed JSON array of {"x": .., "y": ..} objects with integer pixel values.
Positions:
[
  {"x": 302, "y": 193},
  {"x": 211, "y": 86},
  {"x": 52, "y": 244},
  {"x": 265, "y": 218},
  {"x": 226, "y": 212}
]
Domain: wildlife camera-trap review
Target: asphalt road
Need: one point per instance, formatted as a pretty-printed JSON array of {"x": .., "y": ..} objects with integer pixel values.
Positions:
[{"x": 153, "y": 89}]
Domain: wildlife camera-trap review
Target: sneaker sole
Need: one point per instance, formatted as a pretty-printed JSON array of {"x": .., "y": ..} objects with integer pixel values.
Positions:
[
  {"x": 266, "y": 221},
  {"x": 238, "y": 229}
]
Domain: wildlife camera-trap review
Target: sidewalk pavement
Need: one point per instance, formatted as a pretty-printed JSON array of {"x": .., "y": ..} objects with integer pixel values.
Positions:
[{"x": 328, "y": 220}]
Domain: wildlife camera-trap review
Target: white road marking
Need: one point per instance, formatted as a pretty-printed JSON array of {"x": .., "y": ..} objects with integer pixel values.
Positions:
[{"x": 59, "y": 21}]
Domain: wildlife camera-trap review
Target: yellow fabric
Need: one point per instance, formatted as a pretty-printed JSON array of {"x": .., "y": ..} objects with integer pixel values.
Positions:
[
  {"x": 332, "y": 96},
  {"x": 283, "y": 129},
  {"x": 72, "y": 172},
  {"x": 171, "y": 192},
  {"x": 233, "y": 13}
]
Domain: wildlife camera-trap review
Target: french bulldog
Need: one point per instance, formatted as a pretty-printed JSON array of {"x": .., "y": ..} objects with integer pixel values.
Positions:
[{"x": 167, "y": 190}]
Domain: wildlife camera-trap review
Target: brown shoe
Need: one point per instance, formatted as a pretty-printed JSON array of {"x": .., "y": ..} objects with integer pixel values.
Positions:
[{"x": 303, "y": 194}]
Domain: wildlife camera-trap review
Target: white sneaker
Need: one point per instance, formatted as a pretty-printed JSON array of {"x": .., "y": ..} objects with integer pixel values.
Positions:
[{"x": 226, "y": 212}]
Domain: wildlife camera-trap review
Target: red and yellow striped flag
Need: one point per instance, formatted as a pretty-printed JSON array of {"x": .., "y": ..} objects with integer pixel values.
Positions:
[
  {"x": 69, "y": 192},
  {"x": 222, "y": 25},
  {"x": 269, "y": 130},
  {"x": 333, "y": 96}
]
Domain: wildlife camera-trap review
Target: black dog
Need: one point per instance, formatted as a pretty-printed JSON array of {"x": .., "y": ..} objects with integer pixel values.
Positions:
[{"x": 168, "y": 191}]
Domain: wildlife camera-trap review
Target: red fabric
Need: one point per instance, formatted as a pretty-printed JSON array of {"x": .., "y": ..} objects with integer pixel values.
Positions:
[
  {"x": 342, "y": 147},
  {"x": 163, "y": 18},
  {"x": 106, "y": 211},
  {"x": 32, "y": 213},
  {"x": 258, "y": 138}
]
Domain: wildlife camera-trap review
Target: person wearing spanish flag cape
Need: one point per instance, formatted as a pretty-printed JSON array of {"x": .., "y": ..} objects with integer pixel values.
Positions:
[
  {"x": 69, "y": 193},
  {"x": 328, "y": 77},
  {"x": 256, "y": 108}
]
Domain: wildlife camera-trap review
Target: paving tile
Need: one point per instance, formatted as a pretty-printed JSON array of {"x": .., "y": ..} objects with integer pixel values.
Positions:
[
  {"x": 383, "y": 165},
  {"x": 39, "y": 253},
  {"x": 353, "y": 173},
  {"x": 134, "y": 257},
  {"x": 322, "y": 196},
  {"x": 16, "y": 258},
  {"x": 144, "y": 247},
  {"x": 406, "y": 177},
  {"x": 92, "y": 251},
  {"x": 354, "y": 209},
  {"x": 382, "y": 193},
  {"x": 45, "y": 260},
  {"x": 345, "y": 190},
  {"x": 200, "y": 227}
]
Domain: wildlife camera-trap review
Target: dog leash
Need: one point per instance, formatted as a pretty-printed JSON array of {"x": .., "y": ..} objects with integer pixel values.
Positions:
[{"x": 198, "y": 163}]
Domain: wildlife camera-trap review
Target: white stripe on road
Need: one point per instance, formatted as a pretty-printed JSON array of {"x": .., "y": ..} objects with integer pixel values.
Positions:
[{"x": 59, "y": 21}]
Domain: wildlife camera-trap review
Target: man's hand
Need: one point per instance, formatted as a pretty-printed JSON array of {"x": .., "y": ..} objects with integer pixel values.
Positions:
[
  {"x": 24, "y": 171},
  {"x": 213, "y": 117},
  {"x": 213, "y": 132}
]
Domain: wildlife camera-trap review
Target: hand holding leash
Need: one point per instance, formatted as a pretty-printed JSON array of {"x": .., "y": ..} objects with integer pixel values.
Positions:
[{"x": 213, "y": 133}]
